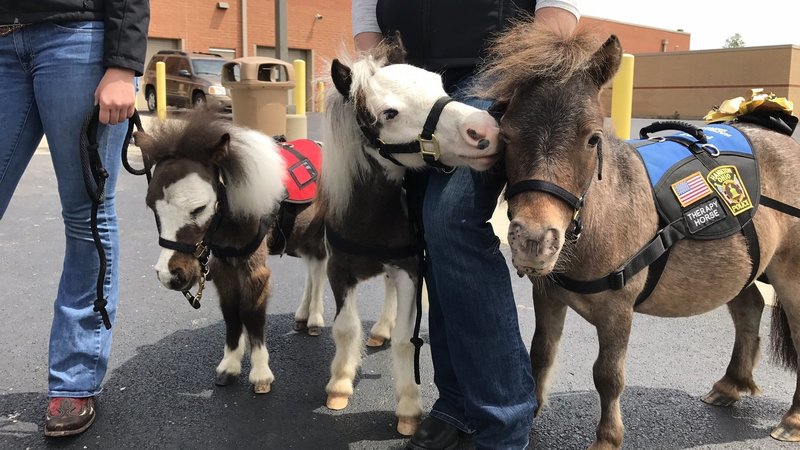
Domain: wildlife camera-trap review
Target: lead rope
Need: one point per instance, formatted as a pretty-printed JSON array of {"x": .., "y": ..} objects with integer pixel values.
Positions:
[
  {"x": 414, "y": 195},
  {"x": 94, "y": 178}
]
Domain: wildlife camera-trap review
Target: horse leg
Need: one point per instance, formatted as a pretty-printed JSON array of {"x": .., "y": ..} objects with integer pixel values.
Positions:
[
  {"x": 347, "y": 337},
  {"x": 746, "y": 310},
  {"x": 309, "y": 313},
  {"x": 785, "y": 337},
  {"x": 409, "y": 408},
  {"x": 380, "y": 332},
  {"x": 231, "y": 365},
  {"x": 550, "y": 316},
  {"x": 253, "y": 313},
  {"x": 613, "y": 332}
]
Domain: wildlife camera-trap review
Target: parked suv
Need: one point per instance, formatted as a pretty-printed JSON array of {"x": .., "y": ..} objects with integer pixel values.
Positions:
[{"x": 193, "y": 79}]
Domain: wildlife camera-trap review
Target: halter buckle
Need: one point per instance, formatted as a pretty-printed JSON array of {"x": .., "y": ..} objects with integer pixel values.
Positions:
[
  {"x": 424, "y": 144},
  {"x": 200, "y": 250}
]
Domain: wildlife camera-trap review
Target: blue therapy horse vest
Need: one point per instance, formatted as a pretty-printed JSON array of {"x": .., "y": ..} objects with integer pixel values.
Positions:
[{"x": 708, "y": 191}]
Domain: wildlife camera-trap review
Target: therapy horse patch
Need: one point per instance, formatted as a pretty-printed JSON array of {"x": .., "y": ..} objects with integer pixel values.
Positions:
[{"x": 708, "y": 190}]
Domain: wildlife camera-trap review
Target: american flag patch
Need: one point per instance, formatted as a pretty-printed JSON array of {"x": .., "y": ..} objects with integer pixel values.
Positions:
[{"x": 691, "y": 189}]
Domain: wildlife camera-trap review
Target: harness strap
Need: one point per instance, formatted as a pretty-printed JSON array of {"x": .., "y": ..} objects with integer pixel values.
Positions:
[
  {"x": 544, "y": 186},
  {"x": 284, "y": 227},
  {"x": 616, "y": 280},
  {"x": 354, "y": 248},
  {"x": 250, "y": 247}
]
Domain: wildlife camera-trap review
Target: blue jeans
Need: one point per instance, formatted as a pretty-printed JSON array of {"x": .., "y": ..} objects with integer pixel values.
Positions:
[
  {"x": 48, "y": 75},
  {"x": 481, "y": 366}
]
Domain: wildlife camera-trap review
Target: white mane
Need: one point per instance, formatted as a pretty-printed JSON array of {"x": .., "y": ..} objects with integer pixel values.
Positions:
[{"x": 259, "y": 191}]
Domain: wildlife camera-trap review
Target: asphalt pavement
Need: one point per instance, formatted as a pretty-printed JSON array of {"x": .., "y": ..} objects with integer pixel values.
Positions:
[{"x": 159, "y": 391}]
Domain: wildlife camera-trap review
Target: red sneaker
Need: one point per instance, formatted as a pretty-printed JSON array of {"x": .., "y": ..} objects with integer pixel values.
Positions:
[{"x": 69, "y": 416}]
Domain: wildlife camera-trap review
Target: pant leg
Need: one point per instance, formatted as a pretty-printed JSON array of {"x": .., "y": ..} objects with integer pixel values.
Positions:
[
  {"x": 66, "y": 67},
  {"x": 481, "y": 366},
  {"x": 19, "y": 116}
]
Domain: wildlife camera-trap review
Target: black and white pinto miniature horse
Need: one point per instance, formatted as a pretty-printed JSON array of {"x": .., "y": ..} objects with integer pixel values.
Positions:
[
  {"x": 215, "y": 190},
  {"x": 556, "y": 148},
  {"x": 379, "y": 102}
]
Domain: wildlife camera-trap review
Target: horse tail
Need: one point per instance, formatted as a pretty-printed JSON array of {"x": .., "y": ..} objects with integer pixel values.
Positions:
[{"x": 782, "y": 346}]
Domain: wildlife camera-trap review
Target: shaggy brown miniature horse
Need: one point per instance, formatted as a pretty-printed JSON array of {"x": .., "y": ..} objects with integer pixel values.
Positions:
[
  {"x": 375, "y": 127},
  {"x": 553, "y": 128},
  {"x": 215, "y": 189}
]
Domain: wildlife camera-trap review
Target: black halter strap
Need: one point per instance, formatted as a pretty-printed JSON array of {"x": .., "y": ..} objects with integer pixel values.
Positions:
[
  {"x": 94, "y": 178},
  {"x": 425, "y": 144}
]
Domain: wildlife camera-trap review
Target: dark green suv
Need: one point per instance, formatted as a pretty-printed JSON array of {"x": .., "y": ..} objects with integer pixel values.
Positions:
[{"x": 193, "y": 79}]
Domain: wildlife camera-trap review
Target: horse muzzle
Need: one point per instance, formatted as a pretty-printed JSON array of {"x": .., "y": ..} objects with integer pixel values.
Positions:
[{"x": 534, "y": 252}]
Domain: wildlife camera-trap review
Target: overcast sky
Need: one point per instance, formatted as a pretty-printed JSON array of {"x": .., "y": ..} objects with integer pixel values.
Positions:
[{"x": 760, "y": 22}]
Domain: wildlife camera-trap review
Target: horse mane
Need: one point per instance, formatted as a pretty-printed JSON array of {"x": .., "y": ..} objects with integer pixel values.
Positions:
[
  {"x": 527, "y": 51},
  {"x": 344, "y": 161},
  {"x": 252, "y": 167}
]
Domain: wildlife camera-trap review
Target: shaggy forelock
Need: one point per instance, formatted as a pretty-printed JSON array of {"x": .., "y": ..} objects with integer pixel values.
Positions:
[
  {"x": 193, "y": 138},
  {"x": 526, "y": 52}
]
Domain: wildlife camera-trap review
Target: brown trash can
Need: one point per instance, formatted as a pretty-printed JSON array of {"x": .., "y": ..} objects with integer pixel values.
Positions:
[{"x": 258, "y": 89}]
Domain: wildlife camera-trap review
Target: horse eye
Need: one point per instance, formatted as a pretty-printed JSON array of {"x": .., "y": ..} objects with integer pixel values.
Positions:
[
  {"x": 389, "y": 114},
  {"x": 594, "y": 141},
  {"x": 504, "y": 138},
  {"x": 196, "y": 212}
]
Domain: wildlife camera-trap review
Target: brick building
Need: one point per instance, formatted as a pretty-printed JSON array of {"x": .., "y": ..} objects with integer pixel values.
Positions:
[{"x": 317, "y": 30}]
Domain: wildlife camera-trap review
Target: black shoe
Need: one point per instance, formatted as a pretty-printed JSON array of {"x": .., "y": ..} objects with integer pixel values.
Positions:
[{"x": 434, "y": 434}]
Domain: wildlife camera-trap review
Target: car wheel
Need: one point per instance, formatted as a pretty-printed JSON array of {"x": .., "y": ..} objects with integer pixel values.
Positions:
[
  {"x": 150, "y": 97},
  {"x": 198, "y": 100}
]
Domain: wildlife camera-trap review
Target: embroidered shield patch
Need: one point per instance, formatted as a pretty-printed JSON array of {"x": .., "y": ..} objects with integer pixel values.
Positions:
[
  {"x": 727, "y": 182},
  {"x": 691, "y": 189}
]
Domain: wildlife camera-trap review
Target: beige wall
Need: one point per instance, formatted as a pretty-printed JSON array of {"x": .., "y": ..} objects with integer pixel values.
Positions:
[{"x": 689, "y": 84}]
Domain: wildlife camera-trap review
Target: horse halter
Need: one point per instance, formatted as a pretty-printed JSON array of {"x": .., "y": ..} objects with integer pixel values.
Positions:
[
  {"x": 201, "y": 250},
  {"x": 576, "y": 203},
  {"x": 425, "y": 144}
]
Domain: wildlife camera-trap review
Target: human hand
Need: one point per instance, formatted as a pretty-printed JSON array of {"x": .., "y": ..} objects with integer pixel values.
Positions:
[
  {"x": 116, "y": 95},
  {"x": 557, "y": 20}
]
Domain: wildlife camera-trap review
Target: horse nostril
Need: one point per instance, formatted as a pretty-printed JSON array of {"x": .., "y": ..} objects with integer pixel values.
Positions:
[
  {"x": 178, "y": 276},
  {"x": 474, "y": 134},
  {"x": 483, "y": 144}
]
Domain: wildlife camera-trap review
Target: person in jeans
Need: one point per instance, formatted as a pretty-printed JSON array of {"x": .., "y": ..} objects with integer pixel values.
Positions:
[
  {"x": 58, "y": 58},
  {"x": 481, "y": 366}
]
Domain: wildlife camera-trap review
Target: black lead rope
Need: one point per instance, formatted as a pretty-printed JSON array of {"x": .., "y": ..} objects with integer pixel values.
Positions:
[{"x": 94, "y": 177}]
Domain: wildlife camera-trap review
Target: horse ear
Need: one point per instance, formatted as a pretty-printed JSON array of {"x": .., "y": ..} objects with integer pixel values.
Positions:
[
  {"x": 221, "y": 148},
  {"x": 605, "y": 61},
  {"x": 342, "y": 77},
  {"x": 396, "y": 51}
]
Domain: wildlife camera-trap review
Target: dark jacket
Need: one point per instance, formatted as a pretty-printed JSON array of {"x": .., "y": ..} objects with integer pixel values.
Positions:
[
  {"x": 448, "y": 36},
  {"x": 126, "y": 22}
]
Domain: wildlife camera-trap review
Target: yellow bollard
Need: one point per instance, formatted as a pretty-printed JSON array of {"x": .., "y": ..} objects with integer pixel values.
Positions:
[
  {"x": 161, "y": 91},
  {"x": 320, "y": 96},
  {"x": 622, "y": 98},
  {"x": 300, "y": 87}
]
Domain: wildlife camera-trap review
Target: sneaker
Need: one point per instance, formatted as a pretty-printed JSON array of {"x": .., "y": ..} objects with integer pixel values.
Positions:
[{"x": 69, "y": 416}]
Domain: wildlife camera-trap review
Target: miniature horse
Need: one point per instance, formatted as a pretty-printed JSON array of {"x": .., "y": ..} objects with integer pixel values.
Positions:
[
  {"x": 374, "y": 129},
  {"x": 556, "y": 148},
  {"x": 217, "y": 187}
]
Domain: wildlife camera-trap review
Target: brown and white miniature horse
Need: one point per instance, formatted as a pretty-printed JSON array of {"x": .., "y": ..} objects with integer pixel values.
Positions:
[
  {"x": 363, "y": 200},
  {"x": 553, "y": 126},
  {"x": 204, "y": 167}
]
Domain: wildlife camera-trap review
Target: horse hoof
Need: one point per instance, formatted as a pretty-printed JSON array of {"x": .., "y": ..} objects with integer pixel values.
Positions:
[
  {"x": 717, "y": 398},
  {"x": 375, "y": 341},
  {"x": 337, "y": 401},
  {"x": 786, "y": 434},
  {"x": 299, "y": 325},
  {"x": 407, "y": 426},
  {"x": 262, "y": 388},
  {"x": 314, "y": 331},
  {"x": 224, "y": 379}
]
